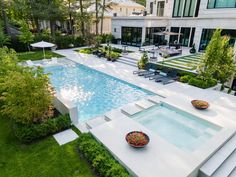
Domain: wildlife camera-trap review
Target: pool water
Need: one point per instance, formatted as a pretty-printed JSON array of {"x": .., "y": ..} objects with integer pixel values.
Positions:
[
  {"x": 94, "y": 92},
  {"x": 177, "y": 127}
]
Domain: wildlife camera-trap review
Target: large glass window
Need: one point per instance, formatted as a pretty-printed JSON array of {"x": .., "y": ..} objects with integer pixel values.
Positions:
[
  {"x": 151, "y": 7},
  {"x": 178, "y": 8},
  {"x": 160, "y": 8},
  {"x": 207, "y": 34},
  {"x": 221, "y": 4},
  {"x": 174, "y": 38},
  {"x": 153, "y": 39},
  {"x": 184, "y": 37},
  {"x": 131, "y": 36}
]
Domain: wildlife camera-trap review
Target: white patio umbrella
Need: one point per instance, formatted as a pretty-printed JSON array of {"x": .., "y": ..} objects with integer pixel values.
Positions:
[{"x": 43, "y": 45}]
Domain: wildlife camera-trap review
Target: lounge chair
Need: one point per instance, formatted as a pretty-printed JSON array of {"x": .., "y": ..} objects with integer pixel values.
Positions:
[
  {"x": 139, "y": 71},
  {"x": 31, "y": 64},
  {"x": 151, "y": 71},
  {"x": 152, "y": 74},
  {"x": 158, "y": 76},
  {"x": 165, "y": 80}
]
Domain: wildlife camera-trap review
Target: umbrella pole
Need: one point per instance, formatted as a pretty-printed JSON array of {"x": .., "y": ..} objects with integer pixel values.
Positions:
[{"x": 43, "y": 53}]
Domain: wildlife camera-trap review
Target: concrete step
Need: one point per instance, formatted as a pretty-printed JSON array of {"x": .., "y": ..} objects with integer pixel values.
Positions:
[
  {"x": 131, "y": 109},
  {"x": 128, "y": 60},
  {"x": 219, "y": 158},
  {"x": 95, "y": 122},
  {"x": 227, "y": 167},
  {"x": 233, "y": 173},
  {"x": 134, "y": 58},
  {"x": 127, "y": 63},
  {"x": 155, "y": 99},
  {"x": 144, "y": 104},
  {"x": 114, "y": 114}
]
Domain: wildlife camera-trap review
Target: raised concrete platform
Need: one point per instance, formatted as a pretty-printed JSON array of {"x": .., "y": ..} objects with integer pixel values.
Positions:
[
  {"x": 144, "y": 104},
  {"x": 65, "y": 136},
  {"x": 131, "y": 109},
  {"x": 155, "y": 99},
  {"x": 95, "y": 122},
  {"x": 114, "y": 114}
]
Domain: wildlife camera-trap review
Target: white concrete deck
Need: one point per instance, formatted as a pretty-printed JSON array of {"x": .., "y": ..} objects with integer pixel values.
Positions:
[{"x": 161, "y": 158}]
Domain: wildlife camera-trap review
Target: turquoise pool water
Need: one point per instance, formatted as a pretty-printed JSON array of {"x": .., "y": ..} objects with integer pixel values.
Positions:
[
  {"x": 177, "y": 127},
  {"x": 93, "y": 92}
]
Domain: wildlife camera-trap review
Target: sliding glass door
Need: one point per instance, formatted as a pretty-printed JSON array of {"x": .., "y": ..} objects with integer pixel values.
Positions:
[{"x": 131, "y": 36}]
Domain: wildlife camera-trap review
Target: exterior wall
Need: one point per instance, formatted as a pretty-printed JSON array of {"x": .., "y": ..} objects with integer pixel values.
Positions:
[{"x": 106, "y": 26}]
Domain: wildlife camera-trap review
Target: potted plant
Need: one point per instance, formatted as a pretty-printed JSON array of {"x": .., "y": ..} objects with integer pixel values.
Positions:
[
  {"x": 114, "y": 56},
  {"x": 137, "y": 139},
  {"x": 193, "y": 49},
  {"x": 200, "y": 104}
]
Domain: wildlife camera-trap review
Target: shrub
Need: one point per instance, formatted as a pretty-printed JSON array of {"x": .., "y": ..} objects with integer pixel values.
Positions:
[
  {"x": 143, "y": 61},
  {"x": 64, "y": 42},
  {"x": 117, "y": 50},
  {"x": 29, "y": 132},
  {"x": 185, "y": 79},
  {"x": 86, "y": 50},
  {"x": 114, "y": 55},
  {"x": 101, "y": 160},
  {"x": 202, "y": 83}
]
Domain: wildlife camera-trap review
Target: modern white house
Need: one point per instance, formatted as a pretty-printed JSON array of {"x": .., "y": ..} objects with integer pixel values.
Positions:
[{"x": 194, "y": 20}]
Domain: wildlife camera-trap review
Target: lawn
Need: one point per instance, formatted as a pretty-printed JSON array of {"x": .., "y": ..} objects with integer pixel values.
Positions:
[
  {"x": 36, "y": 55},
  {"x": 44, "y": 158}
]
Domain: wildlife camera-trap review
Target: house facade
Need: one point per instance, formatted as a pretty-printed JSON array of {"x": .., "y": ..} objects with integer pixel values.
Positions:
[{"x": 193, "y": 20}]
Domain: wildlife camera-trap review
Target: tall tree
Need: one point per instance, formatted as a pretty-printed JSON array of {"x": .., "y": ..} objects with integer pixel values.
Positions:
[
  {"x": 82, "y": 14},
  {"x": 26, "y": 36},
  {"x": 4, "y": 16},
  {"x": 105, "y": 6},
  {"x": 4, "y": 39}
]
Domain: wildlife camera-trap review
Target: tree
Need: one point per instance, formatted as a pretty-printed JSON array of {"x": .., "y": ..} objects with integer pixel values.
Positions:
[
  {"x": 4, "y": 39},
  {"x": 24, "y": 91},
  {"x": 104, "y": 7},
  {"x": 218, "y": 61},
  {"x": 26, "y": 36}
]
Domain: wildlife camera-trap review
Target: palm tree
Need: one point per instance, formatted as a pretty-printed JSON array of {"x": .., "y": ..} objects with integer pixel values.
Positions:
[
  {"x": 82, "y": 14},
  {"x": 105, "y": 7}
]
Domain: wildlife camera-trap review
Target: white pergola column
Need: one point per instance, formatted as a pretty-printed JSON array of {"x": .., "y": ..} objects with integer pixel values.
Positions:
[{"x": 143, "y": 34}]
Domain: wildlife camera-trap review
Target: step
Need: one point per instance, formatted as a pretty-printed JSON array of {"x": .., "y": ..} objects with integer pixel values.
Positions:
[
  {"x": 82, "y": 127},
  {"x": 95, "y": 122},
  {"x": 233, "y": 173},
  {"x": 127, "y": 63},
  {"x": 227, "y": 167},
  {"x": 128, "y": 60},
  {"x": 131, "y": 109},
  {"x": 155, "y": 99},
  {"x": 114, "y": 114},
  {"x": 144, "y": 104},
  {"x": 219, "y": 157}
]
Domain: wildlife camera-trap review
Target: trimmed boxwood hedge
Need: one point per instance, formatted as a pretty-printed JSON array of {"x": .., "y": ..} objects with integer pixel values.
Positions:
[
  {"x": 101, "y": 160},
  {"x": 27, "y": 133}
]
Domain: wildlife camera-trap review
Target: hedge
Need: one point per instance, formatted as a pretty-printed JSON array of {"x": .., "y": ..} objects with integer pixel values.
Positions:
[
  {"x": 198, "y": 82},
  {"x": 27, "y": 133},
  {"x": 102, "y": 161}
]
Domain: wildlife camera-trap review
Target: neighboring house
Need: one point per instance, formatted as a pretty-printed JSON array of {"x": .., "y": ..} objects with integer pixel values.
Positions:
[{"x": 118, "y": 8}]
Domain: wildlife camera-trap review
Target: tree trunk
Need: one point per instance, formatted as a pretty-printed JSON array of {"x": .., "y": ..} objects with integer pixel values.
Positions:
[
  {"x": 70, "y": 19},
  {"x": 4, "y": 16},
  {"x": 52, "y": 27},
  {"x": 102, "y": 17},
  {"x": 96, "y": 11},
  {"x": 82, "y": 14}
]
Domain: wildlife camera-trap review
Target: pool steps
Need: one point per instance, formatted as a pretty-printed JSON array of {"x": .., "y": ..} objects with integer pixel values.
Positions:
[
  {"x": 222, "y": 163},
  {"x": 155, "y": 99},
  {"x": 114, "y": 114},
  {"x": 144, "y": 104},
  {"x": 131, "y": 109}
]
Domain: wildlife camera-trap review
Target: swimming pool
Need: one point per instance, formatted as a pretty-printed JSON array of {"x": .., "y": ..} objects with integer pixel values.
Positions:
[
  {"x": 93, "y": 92},
  {"x": 179, "y": 128}
]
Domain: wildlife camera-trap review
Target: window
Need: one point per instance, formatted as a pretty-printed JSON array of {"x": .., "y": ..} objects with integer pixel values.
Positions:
[
  {"x": 174, "y": 38},
  {"x": 221, "y": 4},
  {"x": 189, "y": 8},
  {"x": 152, "y": 39},
  {"x": 114, "y": 29},
  {"x": 184, "y": 38},
  {"x": 121, "y": 9},
  {"x": 178, "y": 8},
  {"x": 151, "y": 7},
  {"x": 160, "y": 8}
]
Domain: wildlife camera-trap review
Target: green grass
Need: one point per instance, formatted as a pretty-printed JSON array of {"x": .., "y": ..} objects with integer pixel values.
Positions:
[
  {"x": 44, "y": 158},
  {"x": 36, "y": 55}
]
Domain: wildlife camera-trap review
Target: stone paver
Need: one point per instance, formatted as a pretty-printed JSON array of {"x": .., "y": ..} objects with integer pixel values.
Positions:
[{"x": 65, "y": 136}]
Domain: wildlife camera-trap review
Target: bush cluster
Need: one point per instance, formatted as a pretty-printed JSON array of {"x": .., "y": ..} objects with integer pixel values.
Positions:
[
  {"x": 27, "y": 133},
  {"x": 101, "y": 160},
  {"x": 198, "y": 81}
]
